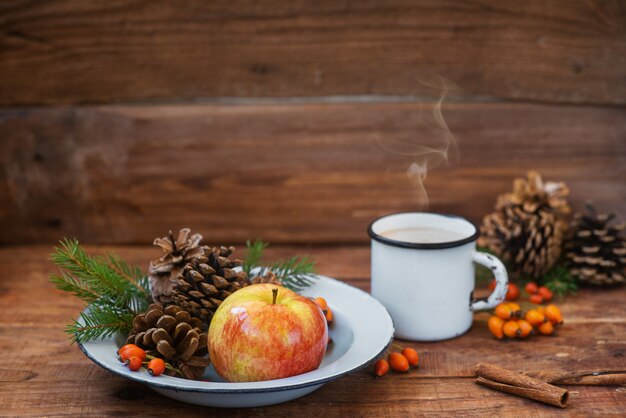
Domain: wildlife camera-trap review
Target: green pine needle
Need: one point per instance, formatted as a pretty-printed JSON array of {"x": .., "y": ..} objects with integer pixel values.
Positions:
[
  {"x": 92, "y": 272},
  {"x": 254, "y": 255},
  {"x": 67, "y": 283},
  {"x": 114, "y": 290},
  {"x": 295, "y": 273},
  {"x": 560, "y": 281},
  {"x": 99, "y": 322}
]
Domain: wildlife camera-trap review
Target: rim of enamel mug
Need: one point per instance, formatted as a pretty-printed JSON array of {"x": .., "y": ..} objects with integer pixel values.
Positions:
[{"x": 425, "y": 245}]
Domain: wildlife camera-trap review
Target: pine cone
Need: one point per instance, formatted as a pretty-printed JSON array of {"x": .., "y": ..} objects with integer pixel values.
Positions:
[
  {"x": 527, "y": 227},
  {"x": 207, "y": 281},
  {"x": 596, "y": 251},
  {"x": 176, "y": 254},
  {"x": 268, "y": 277},
  {"x": 173, "y": 335}
]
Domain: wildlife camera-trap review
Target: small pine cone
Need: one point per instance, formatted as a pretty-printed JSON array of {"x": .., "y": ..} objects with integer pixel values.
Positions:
[
  {"x": 268, "y": 277},
  {"x": 207, "y": 281},
  {"x": 176, "y": 254},
  {"x": 596, "y": 250},
  {"x": 527, "y": 226},
  {"x": 173, "y": 335}
]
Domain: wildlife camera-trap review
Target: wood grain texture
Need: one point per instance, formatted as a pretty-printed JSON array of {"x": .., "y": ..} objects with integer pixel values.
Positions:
[
  {"x": 48, "y": 377},
  {"x": 75, "y": 51},
  {"x": 286, "y": 173}
]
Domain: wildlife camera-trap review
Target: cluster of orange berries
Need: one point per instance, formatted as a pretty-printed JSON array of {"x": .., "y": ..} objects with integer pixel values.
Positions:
[
  {"x": 399, "y": 362},
  {"x": 537, "y": 294},
  {"x": 135, "y": 357},
  {"x": 510, "y": 321}
]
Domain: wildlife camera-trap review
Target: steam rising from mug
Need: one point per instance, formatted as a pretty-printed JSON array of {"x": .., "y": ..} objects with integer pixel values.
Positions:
[{"x": 433, "y": 144}]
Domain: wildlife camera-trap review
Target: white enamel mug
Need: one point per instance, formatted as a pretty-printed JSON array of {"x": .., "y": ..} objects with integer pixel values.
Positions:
[{"x": 428, "y": 288}]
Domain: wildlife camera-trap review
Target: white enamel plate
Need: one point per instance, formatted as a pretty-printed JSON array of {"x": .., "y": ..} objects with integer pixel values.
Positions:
[{"x": 361, "y": 331}]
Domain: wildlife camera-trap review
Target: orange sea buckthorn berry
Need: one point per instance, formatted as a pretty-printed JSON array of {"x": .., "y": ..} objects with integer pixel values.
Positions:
[
  {"x": 535, "y": 317},
  {"x": 531, "y": 288},
  {"x": 553, "y": 313},
  {"x": 515, "y": 308},
  {"x": 504, "y": 311},
  {"x": 398, "y": 362},
  {"x": 134, "y": 363},
  {"x": 537, "y": 299},
  {"x": 495, "y": 326},
  {"x": 124, "y": 352},
  {"x": 381, "y": 367},
  {"x": 124, "y": 347},
  {"x": 121, "y": 353},
  {"x": 132, "y": 351},
  {"x": 545, "y": 293},
  {"x": 329, "y": 315},
  {"x": 541, "y": 309},
  {"x": 321, "y": 302},
  {"x": 525, "y": 328},
  {"x": 492, "y": 285},
  {"x": 511, "y": 329},
  {"x": 156, "y": 366},
  {"x": 546, "y": 328},
  {"x": 412, "y": 356},
  {"x": 513, "y": 292}
]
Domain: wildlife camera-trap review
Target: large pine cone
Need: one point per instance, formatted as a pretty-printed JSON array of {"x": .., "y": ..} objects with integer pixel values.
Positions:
[
  {"x": 176, "y": 254},
  {"x": 267, "y": 277},
  {"x": 173, "y": 335},
  {"x": 596, "y": 251},
  {"x": 207, "y": 281},
  {"x": 527, "y": 227}
]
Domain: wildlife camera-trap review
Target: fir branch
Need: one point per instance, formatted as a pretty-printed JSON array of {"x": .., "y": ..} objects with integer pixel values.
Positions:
[
  {"x": 67, "y": 283},
  {"x": 114, "y": 290},
  {"x": 131, "y": 273},
  {"x": 560, "y": 281},
  {"x": 254, "y": 255},
  {"x": 99, "y": 322},
  {"x": 295, "y": 273},
  {"x": 93, "y": 272}
]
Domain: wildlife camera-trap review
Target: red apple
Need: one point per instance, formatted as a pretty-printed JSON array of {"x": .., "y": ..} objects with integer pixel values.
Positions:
[{"x": 264, "y": 332}]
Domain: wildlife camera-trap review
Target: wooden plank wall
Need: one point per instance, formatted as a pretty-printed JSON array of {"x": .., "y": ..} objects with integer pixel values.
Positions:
[{"x": 120, "y": 120}]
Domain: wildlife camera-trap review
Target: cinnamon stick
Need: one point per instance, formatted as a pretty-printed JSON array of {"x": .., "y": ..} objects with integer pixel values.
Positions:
[
  {"x": 521, "y": 385},
  {"x": 582, "y": 377}
]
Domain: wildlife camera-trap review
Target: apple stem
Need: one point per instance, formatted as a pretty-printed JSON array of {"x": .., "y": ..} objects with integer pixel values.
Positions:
[{"x": 274, "y": 295}]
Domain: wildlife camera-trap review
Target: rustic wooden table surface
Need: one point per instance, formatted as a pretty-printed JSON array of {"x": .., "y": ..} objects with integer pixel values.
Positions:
[{"x": 43, "y": 375}]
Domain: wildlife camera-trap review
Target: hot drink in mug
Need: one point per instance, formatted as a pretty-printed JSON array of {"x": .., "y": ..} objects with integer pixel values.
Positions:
[{"x": 423, "y": 272}]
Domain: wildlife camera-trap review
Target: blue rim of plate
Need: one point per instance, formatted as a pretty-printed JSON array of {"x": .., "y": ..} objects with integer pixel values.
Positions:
[{"x": 281, "y": 388}]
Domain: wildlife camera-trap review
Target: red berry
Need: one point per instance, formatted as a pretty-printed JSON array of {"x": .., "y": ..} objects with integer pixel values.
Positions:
[
  {"x": 124, "y": 347},
  {"x": 132, "y": 351},
  {"x": 124, "y": 352},
  {"x": 134, "y": 363},
  {"x": 492, "y": 285},
  {"x": 412, "y": 356},
  {"x": 531, "y": 288},
  {"x": 398, "y": 362},
  {"x": 156, "y": 367},
  {"x": 513, "y": 292},
  {"x": 545, "y": 293},
  {"x": 381, "y": 368},
  {"x": 536, "y": 299}
]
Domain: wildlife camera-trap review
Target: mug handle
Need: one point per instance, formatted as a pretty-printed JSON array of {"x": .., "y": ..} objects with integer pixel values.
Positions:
[{"x": 502, "y": 282}]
